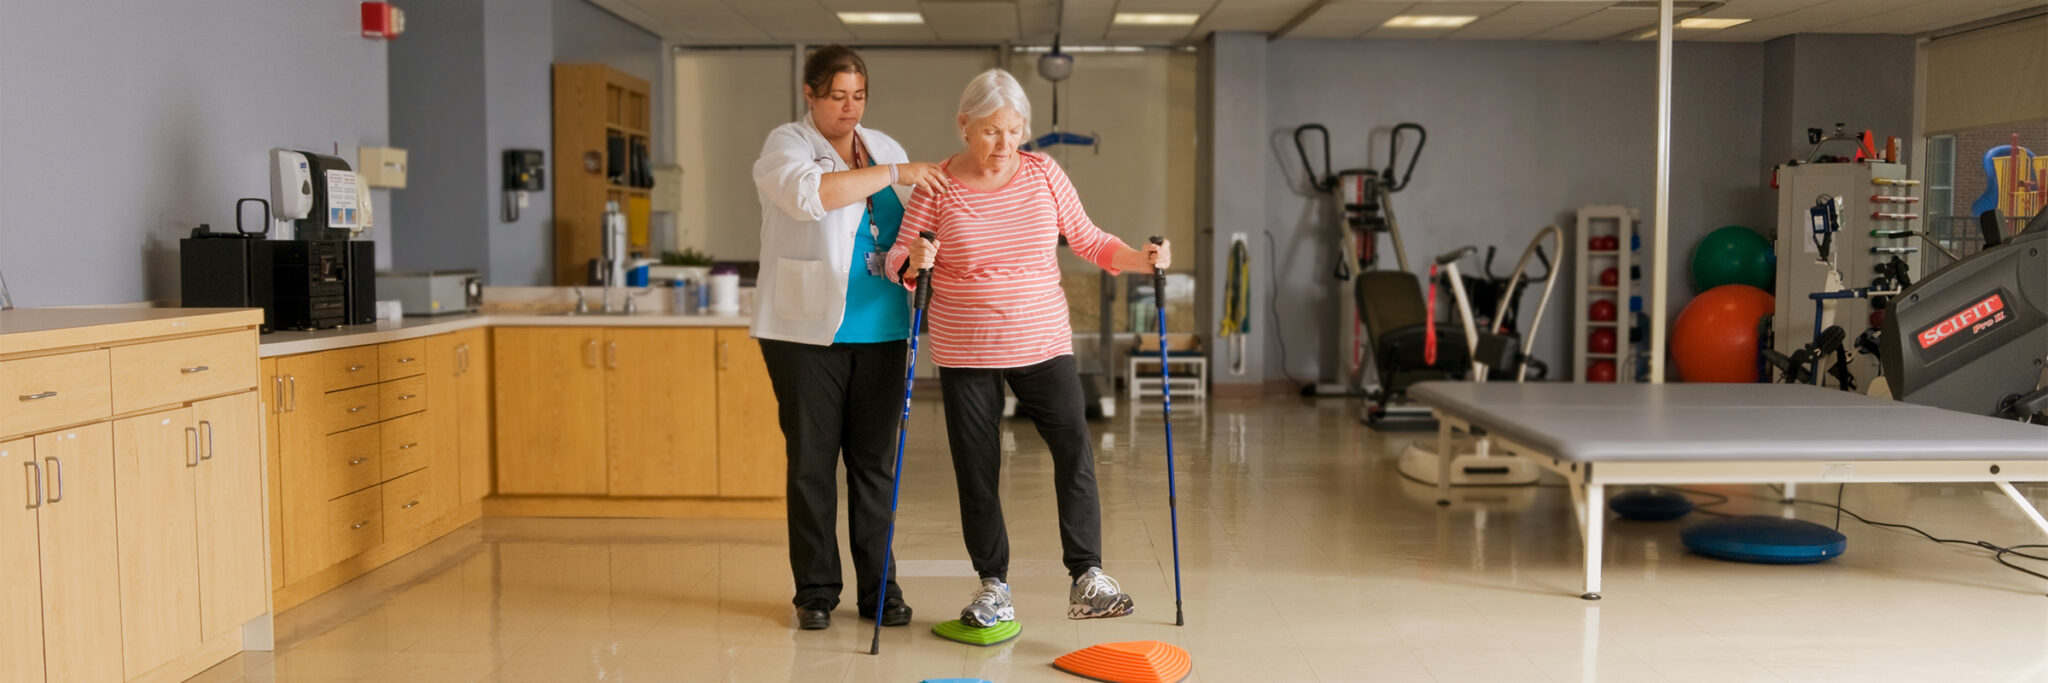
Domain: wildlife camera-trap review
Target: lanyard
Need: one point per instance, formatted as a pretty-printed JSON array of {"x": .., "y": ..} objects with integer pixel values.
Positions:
[{"x": 860, "y": 154}]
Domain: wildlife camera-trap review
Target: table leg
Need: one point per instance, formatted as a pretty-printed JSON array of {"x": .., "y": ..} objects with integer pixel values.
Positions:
[
  {"x": 2025, "y": 506},
  {"x": 1443, "y": 461},
  {"x": 1593, "y": 515}
]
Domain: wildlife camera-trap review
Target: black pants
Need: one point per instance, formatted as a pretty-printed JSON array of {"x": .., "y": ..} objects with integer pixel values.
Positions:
[
  {"x": 838, "y": 401},
  {"x": 1050, "y": 394}
]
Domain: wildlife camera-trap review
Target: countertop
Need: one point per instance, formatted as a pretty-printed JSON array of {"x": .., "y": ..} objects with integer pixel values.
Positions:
[
  {"x": 37, "y": 329},
  {"x": 286, "y": 343}
]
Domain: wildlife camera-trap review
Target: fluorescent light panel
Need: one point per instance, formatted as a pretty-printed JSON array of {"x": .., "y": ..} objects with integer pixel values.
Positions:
[
  {"x": 881, "y": 18},
  {"x": 1428, "y": 21},
  {"x": 1155, "y": 19},
  {"x": 1705, "y": 23}
]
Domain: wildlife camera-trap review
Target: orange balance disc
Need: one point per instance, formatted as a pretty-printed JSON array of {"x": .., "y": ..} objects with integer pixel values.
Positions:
[{"x": 1143, "y": 661}]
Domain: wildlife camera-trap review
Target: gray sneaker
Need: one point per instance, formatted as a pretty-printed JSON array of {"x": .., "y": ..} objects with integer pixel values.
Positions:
[
  {"x": 1096, "y": 596},
  {"x": 991, "y": 605}
]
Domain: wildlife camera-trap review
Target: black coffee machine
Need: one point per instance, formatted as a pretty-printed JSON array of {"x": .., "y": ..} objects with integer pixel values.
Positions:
[{"x": 299, "y": 284}]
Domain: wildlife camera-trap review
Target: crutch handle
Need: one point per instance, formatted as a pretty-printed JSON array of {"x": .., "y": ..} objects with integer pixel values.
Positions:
[
  {"x": 1158, "y": 277},
  {"x": 924, "y": 275}
]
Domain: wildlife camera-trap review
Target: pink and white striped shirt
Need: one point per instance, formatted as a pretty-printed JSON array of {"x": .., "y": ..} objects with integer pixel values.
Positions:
[{"x": 996, "y": 298}]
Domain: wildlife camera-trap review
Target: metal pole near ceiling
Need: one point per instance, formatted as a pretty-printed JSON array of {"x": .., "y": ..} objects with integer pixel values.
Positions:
[{"x": 1660, "y": 252}]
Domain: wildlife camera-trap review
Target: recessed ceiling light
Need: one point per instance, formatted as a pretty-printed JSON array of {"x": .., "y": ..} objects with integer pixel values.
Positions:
[
  {"x": 1155, "y": 19},
  {"x": 1702, "y": 22},
  {"x": 1428, "y": 21},
  {"x": 881, "y": 18}
]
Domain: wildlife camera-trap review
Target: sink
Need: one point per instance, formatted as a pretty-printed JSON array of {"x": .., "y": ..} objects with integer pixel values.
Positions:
[{"x": 592, "y": 313}]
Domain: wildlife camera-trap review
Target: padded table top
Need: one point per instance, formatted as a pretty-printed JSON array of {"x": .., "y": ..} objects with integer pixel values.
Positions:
[{"x": 1726, "y": 422}]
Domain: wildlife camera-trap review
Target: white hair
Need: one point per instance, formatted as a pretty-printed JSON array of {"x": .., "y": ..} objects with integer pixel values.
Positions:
[{"x": 992, "y": 91}]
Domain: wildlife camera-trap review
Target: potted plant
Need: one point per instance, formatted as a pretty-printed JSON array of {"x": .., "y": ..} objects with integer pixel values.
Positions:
[{"x": 689, "y": 264}]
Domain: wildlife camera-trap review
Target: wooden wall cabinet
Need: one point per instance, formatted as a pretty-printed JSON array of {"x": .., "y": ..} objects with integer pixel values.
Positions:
[{"x": 594, "y": 104}]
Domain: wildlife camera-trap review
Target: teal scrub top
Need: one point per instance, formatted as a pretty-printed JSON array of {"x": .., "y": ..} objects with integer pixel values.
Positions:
[{"x": 877, "y": 310}]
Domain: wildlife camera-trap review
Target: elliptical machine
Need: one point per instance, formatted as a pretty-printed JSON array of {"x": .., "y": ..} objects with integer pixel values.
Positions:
[
  {"x": 1365, "y": 194},
  {"x": 1490, "y": 352}
]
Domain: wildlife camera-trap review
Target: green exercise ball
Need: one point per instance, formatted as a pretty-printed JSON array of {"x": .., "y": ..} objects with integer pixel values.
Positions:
[{"x": 1733, "y": 255}]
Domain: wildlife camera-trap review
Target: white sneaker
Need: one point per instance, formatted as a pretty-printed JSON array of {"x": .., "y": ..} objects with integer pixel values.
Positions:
[
  {"x": 1096, "y": 596},
  {"x": 991, "y": 605}
]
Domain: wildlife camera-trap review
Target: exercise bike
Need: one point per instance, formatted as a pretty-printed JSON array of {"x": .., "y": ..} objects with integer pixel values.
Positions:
[{"x": 1492, "y": 354}]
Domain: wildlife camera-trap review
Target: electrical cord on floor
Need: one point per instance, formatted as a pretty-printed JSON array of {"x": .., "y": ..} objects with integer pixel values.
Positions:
[
  {"x": 1998, "y": 552},
  {"x": 1273, "y": 304}
]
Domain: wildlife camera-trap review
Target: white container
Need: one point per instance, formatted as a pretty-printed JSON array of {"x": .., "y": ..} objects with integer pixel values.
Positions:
[{"x": 725, "y": 294}]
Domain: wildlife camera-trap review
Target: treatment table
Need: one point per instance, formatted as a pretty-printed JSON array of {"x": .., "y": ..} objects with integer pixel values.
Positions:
[{"x": 1597, "y": 435}]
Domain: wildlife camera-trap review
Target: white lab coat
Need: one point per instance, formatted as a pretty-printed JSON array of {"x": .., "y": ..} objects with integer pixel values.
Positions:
[{"x": 807, "y": 251}]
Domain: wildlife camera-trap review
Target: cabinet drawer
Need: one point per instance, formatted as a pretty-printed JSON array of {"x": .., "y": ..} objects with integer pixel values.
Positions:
[
  {"x": 349, "y": 368},
  {"x": 354, "y": 461},
  {"x": 170, "y": 372},
  {"x": 401, "y": 359},
  {"x": 407, "y": 506},
  {"x": 406, "y": 445},
  {"x": 355, "y": 524},
  {"x": 349, "y": 409},
  {"x": 402, "y": 397},
  {"x": 52, "y": 391}
]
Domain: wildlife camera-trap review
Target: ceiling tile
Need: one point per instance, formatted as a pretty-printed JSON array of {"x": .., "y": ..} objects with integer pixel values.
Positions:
[
  {"x": 972, "y": 21},
  {"x": 1926, "y": 16},
  {"x": 1233, "y": 15},
  {"x": 1525, "y": 19},
  {"x": 892, "y": 33},
  {"x": 1086, "y": 21},
  {"x": 1347, "y": 20}
]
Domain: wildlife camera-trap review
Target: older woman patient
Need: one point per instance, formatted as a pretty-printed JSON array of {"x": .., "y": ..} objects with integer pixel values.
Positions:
[{"x": 998, "y": 317}]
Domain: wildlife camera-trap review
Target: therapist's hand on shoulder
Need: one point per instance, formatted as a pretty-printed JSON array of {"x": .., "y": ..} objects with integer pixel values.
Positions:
[{"x": 925, "y": 177}]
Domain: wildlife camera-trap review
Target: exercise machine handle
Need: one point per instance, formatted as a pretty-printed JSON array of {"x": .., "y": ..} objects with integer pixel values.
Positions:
[
  {"x": 1453, "y": 255},
  {"x": 1324, "y": 181},
  {"x": 1394, "y": 153}
]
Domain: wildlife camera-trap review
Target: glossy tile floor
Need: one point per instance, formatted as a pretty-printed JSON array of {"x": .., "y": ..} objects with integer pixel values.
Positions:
[{"x": 1305, "y": 557}]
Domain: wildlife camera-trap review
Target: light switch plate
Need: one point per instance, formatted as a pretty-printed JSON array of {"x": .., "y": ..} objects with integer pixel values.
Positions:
[{"x": 381, "y": 166}]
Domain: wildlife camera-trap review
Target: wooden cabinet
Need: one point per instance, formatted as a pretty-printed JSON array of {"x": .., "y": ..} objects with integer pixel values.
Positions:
[
  {"x": 80, "y": 561},
  {"x": 751, "y": 456},
  {"x": 154, "y": 455},
  {"x": 230, "y": 515},
  {"x": 271, "y": 383},
  {"x": 594, "y": 104},
  {"x": 21, "y": 582},
  {"x": 550, "y": 389},
  {"x": 131, "y": 547},
  {"x": 473, "y": 424},
  {"x": 661, "y": 412}
]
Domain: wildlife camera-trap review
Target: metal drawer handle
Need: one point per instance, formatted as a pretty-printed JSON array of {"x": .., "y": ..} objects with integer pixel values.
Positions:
[
  {"x": 357, "y": 461},
  {"x": 38, "y": 397},
  {"x": 357, "y": 409},
  {"x": 277, "y": 394},
  {"x": 35, "y": 478},
  {"x": 409, "y": 446},
  {"x": 57, "y": 494},
  {"x": 293, "y": 382},
  {"x": 354, "y": 368},
  {"x": 407, "y": 359},
  {"x": 409, "y": 506},
  {"x": 196, "y": 369},
  {"x": 408, "y": 397},
  {"x": 359, "y": 525}
]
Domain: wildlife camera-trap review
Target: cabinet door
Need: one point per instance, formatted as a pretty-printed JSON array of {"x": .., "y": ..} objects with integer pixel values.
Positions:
[
  {"x": 230, "y": 514},
  {"x": 80, "y": 557},
  {"x": 272, "y": 387},
  {"x": 154, "y": 456},
  {"x": 444, "y": 400},
  {"x": 22, "y": 492},
  {"x": 474, "y": 423},
  {"x": 302, "y": 461},
  {"x": 751, "y": 460},
  {"x": 550, "y": 388},
  {"x": 661, "y": 411}
]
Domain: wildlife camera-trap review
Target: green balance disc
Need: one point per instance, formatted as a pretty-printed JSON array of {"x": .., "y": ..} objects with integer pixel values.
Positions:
[{"x": 998, "y": 634}]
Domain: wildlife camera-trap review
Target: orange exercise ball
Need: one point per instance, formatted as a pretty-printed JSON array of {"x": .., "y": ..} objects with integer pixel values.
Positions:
[{"x": 1714, "y": 339}]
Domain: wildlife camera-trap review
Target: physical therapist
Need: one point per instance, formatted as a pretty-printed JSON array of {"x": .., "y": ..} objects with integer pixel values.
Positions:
[{"x": 832, "y": 327}]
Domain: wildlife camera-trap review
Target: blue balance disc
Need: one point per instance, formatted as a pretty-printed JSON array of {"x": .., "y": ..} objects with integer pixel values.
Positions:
[
  {"x": 1764, "y": 540},
  {"x": 1650, "y": 505}
]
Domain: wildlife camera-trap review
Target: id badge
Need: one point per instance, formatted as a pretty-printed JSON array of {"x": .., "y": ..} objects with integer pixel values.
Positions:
[{"x": 877, "y": 261}]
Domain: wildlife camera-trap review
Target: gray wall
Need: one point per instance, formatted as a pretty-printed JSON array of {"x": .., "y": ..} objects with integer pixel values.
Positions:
[
  {"x": 519, "y": 96},
  {"x": 126, "y": 122},
  {"x": 437, "y": 100},
  {"x": 1818, "y": 80},
  {"x": 1521, "y": 134},
  {"x": 1234, "y": 154},
  {"x": 473, "y": 78}
]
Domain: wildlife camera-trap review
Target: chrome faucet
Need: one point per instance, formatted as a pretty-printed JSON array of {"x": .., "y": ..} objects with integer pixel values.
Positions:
[{"x": 614, "y": 225}]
